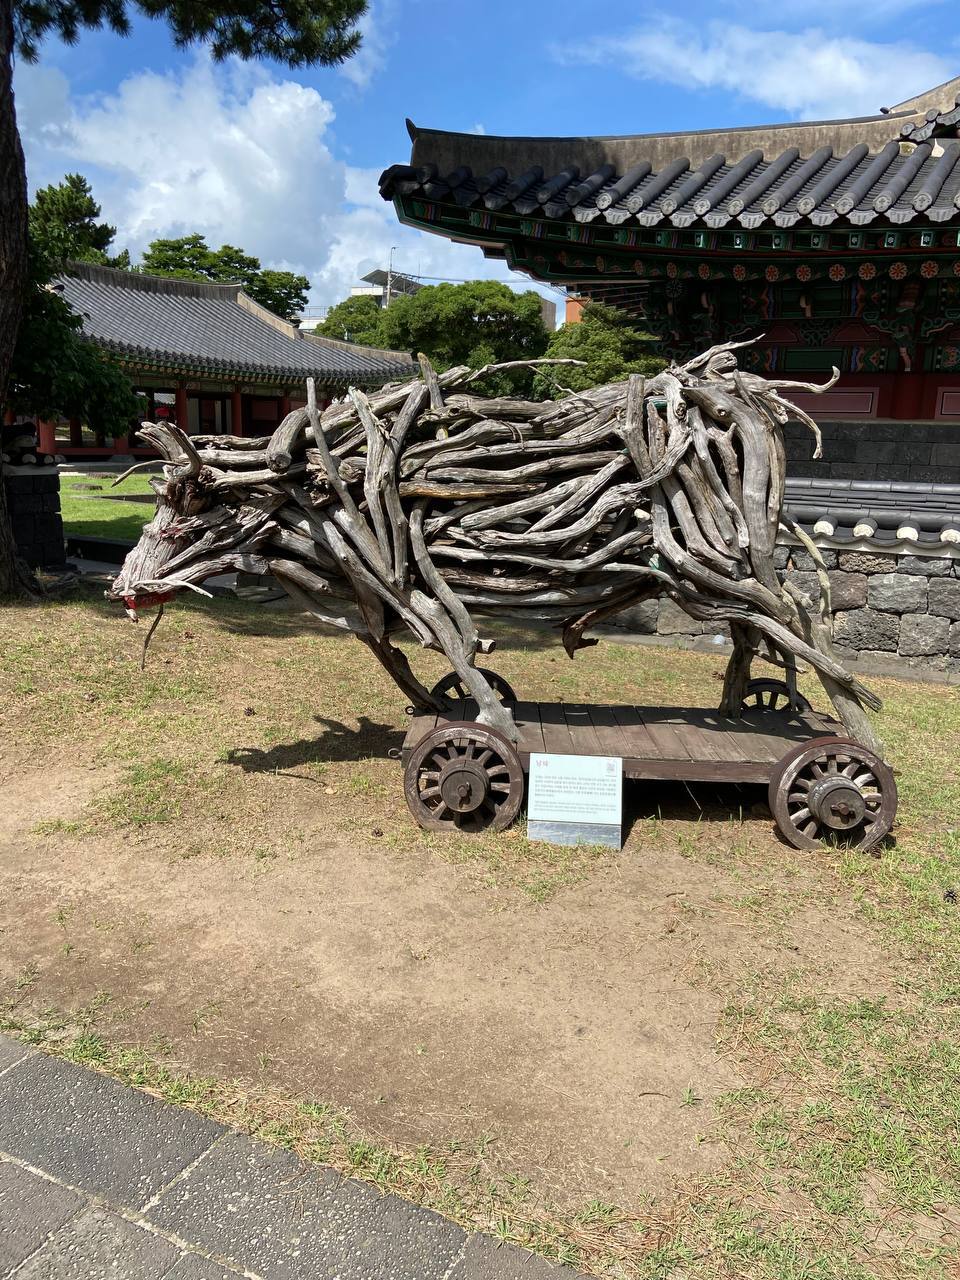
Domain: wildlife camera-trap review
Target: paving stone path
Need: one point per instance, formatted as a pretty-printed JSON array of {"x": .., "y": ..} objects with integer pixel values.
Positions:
[{"x": 98, "y": 1180}]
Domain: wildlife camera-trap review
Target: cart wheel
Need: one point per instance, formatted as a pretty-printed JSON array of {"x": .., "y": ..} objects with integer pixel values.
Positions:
[
  {"x": 772, "y": 695},
  {"x": 452, "y": 689},
  {"x": 833, "y": 789},
  {"x": 463, "y": 777}
]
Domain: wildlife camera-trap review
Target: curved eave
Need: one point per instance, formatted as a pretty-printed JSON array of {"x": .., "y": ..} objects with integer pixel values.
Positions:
[
  {"x": 897, "y": 186},
  {"x": 182, "y": 363}
]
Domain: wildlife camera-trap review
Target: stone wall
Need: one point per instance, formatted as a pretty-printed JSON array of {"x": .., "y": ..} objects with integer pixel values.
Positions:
[
  {"x": 893, "y": 611},
  {"x": 33, "y": 496},
  {"x": 922, "y": 452}
]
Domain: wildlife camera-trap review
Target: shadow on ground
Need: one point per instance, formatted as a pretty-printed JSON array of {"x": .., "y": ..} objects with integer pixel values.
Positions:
[{"x": 338, "y": 742}]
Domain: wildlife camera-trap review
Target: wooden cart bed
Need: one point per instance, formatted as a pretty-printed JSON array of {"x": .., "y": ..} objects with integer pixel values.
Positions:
[{"x": 689, "y": 744}]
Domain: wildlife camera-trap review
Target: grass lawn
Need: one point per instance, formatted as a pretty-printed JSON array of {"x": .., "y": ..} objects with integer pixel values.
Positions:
[
  {"x": 708, "y": 1057},
  {"x": 86, "y": 511}
]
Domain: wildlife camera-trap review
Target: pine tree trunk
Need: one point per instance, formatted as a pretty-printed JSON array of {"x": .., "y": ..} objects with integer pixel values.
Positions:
[{"x": 14, "y": 575}]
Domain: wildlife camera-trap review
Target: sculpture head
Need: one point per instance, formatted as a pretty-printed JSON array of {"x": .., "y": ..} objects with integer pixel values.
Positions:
[{"x": 149, "y": 574}]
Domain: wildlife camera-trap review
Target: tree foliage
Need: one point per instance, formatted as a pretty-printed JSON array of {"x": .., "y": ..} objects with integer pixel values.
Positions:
[
  {"x": 56, "y": 371},
  {"x": 63, "y": 224},
  {"x": 300, "y": 33},
  {"x": 296, "y": 32},
  {"x": 191, "y": 258},
  {"x": 354, "y": 320},
  {"x": 608, "y": 343},
  {"x": 475, "y": 323}
]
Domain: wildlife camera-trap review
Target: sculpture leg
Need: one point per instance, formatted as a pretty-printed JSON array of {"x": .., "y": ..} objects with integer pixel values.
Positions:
[
  {"x": 845, "y": 702},
  {"x": 737, "y": 675},
  {"x": 394, "y": 662},
  {"x": 491, "y": 710}
]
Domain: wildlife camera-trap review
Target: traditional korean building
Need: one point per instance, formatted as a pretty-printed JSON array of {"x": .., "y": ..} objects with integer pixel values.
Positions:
[
  {"x": 836, "y": 240},
  {"x": 837, "y": 243},
  {"x": 205, "y": 355}
]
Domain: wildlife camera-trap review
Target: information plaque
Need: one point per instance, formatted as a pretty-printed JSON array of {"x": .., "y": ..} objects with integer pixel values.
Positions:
[{"x": 575, "y": 799}]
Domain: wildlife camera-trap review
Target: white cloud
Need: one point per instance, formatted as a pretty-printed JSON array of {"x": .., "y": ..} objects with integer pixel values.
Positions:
[
  {"x": 378, "y": 29},
  {"x": 808, "y": 73},
  {"x": 237, "y": 155}
]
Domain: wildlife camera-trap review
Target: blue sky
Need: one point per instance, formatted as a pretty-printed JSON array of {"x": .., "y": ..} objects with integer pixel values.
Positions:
[{"x": 285, "y": 163}]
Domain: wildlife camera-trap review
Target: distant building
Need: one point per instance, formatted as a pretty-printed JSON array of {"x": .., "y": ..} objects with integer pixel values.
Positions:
[
  {"x": 548, "y": 310},
  {"x": 205, "y": 355},
  {"x": 384, "y": 286}
]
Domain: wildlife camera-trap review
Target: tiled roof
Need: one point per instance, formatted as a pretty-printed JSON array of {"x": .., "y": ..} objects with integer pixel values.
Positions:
[
  {"x": 880, "y": 510},
  {"x": 934, "y": 123},
  {"x": 894, "y": 185},
  {"x": 213, "y": 328},
  {"x": 890, "y": 168}
]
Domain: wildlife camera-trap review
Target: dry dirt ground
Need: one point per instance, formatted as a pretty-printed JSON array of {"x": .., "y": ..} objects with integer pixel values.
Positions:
[{"x": 213, "y": 861}]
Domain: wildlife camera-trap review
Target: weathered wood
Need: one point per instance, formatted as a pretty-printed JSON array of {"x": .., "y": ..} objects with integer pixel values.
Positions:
[{"x": 426, "y": 504}]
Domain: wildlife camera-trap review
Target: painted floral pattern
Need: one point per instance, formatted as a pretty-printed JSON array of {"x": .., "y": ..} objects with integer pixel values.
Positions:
[
  {"x": 837, "y": 271},
  {"x": 866, "y": 271},
  {"x": 898, "y": 270}
]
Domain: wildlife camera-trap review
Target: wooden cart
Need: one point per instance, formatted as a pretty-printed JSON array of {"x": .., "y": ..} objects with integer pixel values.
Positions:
[{"x": 462, "y": 775}]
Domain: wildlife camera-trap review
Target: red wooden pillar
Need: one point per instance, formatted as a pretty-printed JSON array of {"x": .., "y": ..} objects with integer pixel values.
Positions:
[
  {"x": 47, "y": 433},
  {"x": 180, "y": 407},
  {"x": 76, "y": 433},
  {"x": 236, "y": 412},
  {"x": 284, "y": 405},
  {"x": 907, "y": 396}
]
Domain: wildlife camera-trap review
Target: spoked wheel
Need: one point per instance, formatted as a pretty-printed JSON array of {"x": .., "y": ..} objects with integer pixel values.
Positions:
[
  {"x": 463, "y": 777},
  {"x": 452, "y": 689},
  {"x": 833, "y": 789},
  {"x": 773, "y": 695}
]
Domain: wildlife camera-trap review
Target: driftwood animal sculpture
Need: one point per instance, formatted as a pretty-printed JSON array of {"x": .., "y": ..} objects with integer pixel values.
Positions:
[{"x": 426, "y": 506}]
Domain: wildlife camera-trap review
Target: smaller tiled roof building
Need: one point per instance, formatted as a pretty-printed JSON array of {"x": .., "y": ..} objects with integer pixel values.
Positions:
[{"x": 208, "y": 355}]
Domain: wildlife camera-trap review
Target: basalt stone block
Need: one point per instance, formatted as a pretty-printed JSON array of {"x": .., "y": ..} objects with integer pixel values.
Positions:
[
  {"x": 847, "y": 590},
  {"x": 673, "y": 621},
  {"x": 926, "y": 566},
  {"x": 946, "y": 455},
  {"x": 31, "y": 1208},
  {"x": 922, "y": 634},
  {"x": 877, "y": 451},
  {"x": 945, "y": 597},
  {"x": 864, "y": 562},
  {"x": 868, "y": 629},
  {"x": 803, "y": 560},
  {"x": 854, "y": 471},
  {"x": 897, "y": 593},
  {"x": 780, "y": 557},
  {"x": 640, "y": 618},
  {"x": 808, "y": 583},
  {"x": 98, "y": 1243},
  {"x": 953, "y": 640}
]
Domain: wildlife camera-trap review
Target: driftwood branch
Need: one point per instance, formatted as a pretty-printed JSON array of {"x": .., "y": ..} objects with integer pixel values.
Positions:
[{"x": 424, "y": 504}]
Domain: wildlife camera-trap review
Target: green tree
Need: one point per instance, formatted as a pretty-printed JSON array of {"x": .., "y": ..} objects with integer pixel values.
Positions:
[
  {"x": 354, "y": 320},
  {"x": 473, "y": 323},
  {"x": 191, "y": 258},
  {"x": 63, "y": 222},
  {"x": 185, "y": 259},
  {"x": 282, "y": 292},
  {"x": 296, "y": 32},
  {"x": 608, "y": 343},
  {"x": 57, "y": 371}
]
